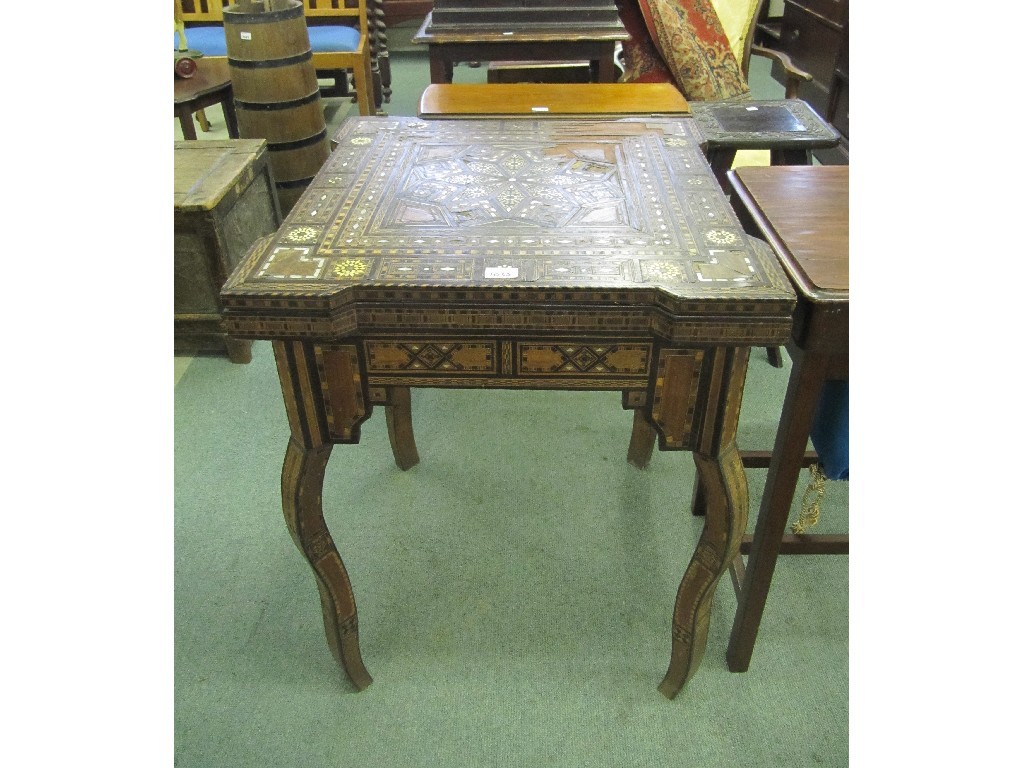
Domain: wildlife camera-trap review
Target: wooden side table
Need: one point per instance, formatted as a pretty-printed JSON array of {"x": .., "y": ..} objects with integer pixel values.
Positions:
[
  {"x": 515, "y": 41},
  {"x": 211, "y": 84},
  {"x": 803, "y": 213},
  {"x": 513, "y": 254}
]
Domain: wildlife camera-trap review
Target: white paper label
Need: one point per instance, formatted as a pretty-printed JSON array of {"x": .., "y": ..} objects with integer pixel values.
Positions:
[
  {"x": 501, "y": 271},
  {"x": 246, "y": 35},
  {"x": 538, "y": 109}
]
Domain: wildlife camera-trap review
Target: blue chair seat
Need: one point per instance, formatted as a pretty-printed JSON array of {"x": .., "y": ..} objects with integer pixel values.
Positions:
[
  {"x": 331, "y": 38},
  {"x": 830, "y": 431},
  {"x": 210, "y": 41}
]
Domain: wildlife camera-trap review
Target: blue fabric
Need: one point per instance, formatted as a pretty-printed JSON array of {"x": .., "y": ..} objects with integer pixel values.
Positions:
[
  {"x": 210, "y": 40},
  {"x": 333, "y": 38},
  {"x": 207, "y": 40},
  {"x": 830, "y": 432}
]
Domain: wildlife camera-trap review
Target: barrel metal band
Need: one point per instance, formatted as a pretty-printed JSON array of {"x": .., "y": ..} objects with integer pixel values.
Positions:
[
  {"x": 236, "y": 17},
  {"x": 284, "y": 146},
  {"x": 257, "y": 106},
  {"x": 287, "y": 61}
]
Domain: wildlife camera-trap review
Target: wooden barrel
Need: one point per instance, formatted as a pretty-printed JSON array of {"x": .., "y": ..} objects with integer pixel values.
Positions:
[{"x": 276, "y": 94}]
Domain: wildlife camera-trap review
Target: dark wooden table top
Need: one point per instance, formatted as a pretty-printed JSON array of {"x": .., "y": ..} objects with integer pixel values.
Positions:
[
  {"x": 804, "y": 213},
  {"x": 542, "y": 217},
  {"x": 763, "y": 124},
  {"x": 211, "y": 75},
  {"x": 510, "y": 27}
]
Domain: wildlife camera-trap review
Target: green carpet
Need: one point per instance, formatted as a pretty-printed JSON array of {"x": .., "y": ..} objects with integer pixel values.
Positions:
[
  {"x": 515, "y": 589},
  {"x": 515, "y": 593}
]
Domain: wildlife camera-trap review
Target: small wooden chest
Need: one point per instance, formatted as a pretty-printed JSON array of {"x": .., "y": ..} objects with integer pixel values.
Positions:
[{"x": 224, "y": 200}]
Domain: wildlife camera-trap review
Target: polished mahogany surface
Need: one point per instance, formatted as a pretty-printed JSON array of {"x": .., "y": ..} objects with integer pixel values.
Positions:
[{"x": 805, "y": 213}]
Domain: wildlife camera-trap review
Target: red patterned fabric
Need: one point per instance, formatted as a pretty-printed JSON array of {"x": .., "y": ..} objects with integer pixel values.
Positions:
[{"x": 680, "y": 41}]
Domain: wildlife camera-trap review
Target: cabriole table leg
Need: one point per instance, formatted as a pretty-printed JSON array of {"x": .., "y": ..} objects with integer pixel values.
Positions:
[
  {"x": 720, "y": 473},
  {"x": 302, "y": 481}
]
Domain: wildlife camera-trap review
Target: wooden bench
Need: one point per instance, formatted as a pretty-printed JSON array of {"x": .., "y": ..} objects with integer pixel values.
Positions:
[{"x": 338, "y": 37}]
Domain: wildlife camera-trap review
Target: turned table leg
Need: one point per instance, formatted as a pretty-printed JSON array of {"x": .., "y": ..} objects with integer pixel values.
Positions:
[
  {"x": 377, "y": 27},
  {"x": 720, "y": 473}
]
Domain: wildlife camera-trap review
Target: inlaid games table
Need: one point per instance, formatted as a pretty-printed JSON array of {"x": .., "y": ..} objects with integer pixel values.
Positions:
[{"x": 535, "y": 254}]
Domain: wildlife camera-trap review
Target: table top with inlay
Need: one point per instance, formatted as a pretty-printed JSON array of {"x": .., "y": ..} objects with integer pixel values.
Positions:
[{"x": 610, "y": 214}]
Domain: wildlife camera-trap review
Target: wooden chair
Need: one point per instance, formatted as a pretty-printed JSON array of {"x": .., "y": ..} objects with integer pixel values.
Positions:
[
  {"x": 338, "y": 36},
  {"x": 739, "y": 20},
  {"x": 336, "y": 50}
]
